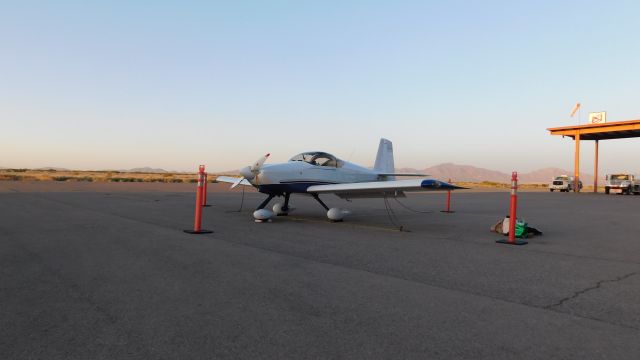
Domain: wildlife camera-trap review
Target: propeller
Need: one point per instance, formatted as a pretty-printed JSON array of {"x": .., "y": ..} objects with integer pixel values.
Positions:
[{"x": 250, "y": 172}]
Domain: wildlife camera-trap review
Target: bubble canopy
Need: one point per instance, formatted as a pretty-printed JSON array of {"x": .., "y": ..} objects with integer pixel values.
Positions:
[{"x": 317, "y": 158}]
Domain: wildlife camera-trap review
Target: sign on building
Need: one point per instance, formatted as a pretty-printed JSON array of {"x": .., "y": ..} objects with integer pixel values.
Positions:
[{"x": 598, "y": 117}]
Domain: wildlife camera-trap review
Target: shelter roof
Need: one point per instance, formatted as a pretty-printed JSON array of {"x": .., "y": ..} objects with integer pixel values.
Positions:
[{"x": 606, "y": 131}]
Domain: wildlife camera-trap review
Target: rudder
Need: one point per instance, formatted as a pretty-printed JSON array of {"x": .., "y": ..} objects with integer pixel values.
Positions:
[{"x": 384, "y": 160}]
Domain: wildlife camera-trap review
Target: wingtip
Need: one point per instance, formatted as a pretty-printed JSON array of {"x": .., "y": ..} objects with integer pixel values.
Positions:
[{"x": 456, "y": 187}]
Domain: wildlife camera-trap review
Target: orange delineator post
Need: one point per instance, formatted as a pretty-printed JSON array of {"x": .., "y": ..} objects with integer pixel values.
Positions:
[
  {"x": 512, "y": 208},
  {"x": 513, "y": 213},
  {"x": 204, "y": 191},
  {"x": 448, "y": 209},
  {"x": 197, "y": 223},
  {"x": 595, "y": 170}
]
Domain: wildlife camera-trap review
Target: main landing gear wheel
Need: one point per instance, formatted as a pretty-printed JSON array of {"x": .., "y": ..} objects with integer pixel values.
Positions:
[
  {"x": 262, "y": 215},
  {"x": 337, "y": 214},
  {"x": 279, "y": 209},
  {"x": 283, "y": 209}
]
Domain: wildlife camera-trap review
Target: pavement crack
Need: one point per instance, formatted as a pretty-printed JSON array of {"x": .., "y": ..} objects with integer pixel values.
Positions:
[
  {"x": 439, "y": 286},
  {"x": 598, "y": 285}
]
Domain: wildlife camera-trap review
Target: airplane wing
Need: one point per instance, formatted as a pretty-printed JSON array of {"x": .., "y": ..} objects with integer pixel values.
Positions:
[
  {"x": 376, "y": 189},
  {"x": 402, "y": 174},
  {"x": 232, "y": 180}
]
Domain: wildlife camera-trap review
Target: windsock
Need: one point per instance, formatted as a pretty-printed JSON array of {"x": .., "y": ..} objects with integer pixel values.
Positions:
[{"x": 575, "y": 108}]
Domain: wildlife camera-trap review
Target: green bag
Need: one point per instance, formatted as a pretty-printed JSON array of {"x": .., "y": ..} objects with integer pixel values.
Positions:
[{"x": 521, "y": 228}]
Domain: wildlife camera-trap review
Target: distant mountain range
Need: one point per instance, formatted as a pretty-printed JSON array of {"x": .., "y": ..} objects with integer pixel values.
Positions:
[
  {"x": 147, "y": 169},
  {"x": 47, "y": 168},
  {"x": 444, "y": 171},
  {"x": 138, "y": 170},
  {"x": 475, "y": 174}
]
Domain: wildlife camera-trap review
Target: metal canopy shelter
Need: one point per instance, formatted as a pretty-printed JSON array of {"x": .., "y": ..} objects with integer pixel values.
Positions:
[{"x": 597, "y": 132}]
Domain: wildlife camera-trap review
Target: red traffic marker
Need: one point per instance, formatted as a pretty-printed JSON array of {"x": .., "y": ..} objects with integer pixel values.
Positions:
[
  {"x": 204, "y": 191},
  {"x": 448, "y": 208},
  {"x": 512, "y": 214},
  {"x": 197, "y": 224}
]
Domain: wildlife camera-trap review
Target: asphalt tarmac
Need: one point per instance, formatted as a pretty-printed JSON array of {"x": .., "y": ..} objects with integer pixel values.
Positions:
[{"x": 111, "y": 275}]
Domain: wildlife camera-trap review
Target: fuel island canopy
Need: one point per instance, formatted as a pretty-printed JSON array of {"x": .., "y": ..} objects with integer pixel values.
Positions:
[{"x": 596, "y": 132}]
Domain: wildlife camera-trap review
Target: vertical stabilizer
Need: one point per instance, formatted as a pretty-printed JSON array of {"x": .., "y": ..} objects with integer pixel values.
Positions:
[{"x": 384, "y": 159}]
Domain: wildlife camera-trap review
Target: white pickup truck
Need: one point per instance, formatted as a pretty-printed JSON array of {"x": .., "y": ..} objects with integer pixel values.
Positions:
[
  {"x": 563, "y": 183},
  {"x": 622, "y": 184}
]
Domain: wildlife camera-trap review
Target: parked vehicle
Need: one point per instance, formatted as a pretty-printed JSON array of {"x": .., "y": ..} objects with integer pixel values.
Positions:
[
  {"x": 622, "y": 184},
  {"x": 563, "y": 183}
]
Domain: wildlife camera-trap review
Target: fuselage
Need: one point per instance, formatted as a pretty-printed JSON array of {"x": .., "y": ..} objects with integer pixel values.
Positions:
[{"x": 296, "y": 176}]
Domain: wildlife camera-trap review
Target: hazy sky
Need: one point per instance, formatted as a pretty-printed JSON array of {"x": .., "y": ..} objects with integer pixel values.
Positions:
[{"x": 171, "y": 84}]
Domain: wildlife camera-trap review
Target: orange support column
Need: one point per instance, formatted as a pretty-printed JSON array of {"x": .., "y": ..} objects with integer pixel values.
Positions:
[
  {"x": 576, "y": 166},
  {"x": 595, "y": 171}
]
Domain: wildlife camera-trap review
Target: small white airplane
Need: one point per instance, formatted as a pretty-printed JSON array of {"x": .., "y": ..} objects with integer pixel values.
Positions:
[{"x": 315, "y": 173}]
